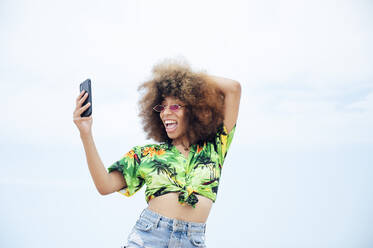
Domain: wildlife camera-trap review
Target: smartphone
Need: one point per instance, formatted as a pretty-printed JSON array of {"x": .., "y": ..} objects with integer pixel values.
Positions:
[{"x": 86, "y": 85}]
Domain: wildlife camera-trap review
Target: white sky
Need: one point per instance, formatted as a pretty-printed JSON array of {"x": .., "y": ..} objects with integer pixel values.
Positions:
[{"x": 299, "y": 170}]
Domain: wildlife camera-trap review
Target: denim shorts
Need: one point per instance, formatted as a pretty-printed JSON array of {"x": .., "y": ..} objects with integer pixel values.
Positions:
[{"x": 156, "y": 231}]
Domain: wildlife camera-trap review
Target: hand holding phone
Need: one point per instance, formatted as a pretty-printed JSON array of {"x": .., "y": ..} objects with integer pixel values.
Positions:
[
  {"x": 82, "y": 115},
  {"x": 86, "y": 86}
]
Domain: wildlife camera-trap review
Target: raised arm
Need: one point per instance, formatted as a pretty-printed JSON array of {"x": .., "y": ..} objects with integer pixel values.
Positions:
[
  {"x": 105, "y": 182},
  {"x": 232, "y": 92}
]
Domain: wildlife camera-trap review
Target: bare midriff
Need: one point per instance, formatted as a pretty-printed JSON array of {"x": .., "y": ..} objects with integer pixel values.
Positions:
[{"x": 168, "y": 206}]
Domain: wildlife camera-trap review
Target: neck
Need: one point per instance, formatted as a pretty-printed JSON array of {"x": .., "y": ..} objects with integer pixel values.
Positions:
[{"x": 181, "y": 142}]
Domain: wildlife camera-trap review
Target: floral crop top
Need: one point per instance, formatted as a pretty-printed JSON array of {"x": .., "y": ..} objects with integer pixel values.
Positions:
[{"x": 164, "y": 169}]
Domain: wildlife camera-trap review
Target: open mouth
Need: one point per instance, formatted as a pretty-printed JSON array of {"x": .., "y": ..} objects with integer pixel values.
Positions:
[{"x": 170, "y": 125}]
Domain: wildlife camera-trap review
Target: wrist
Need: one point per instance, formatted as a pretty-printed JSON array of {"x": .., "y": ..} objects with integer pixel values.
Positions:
[{"x": 85, "y": 135}]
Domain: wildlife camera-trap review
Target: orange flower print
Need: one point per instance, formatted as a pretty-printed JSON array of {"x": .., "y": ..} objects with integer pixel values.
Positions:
[
  {"x": 148, "y": 150},
  {"x": 199, "y": 149},
  {"x": 130, "y": 154},
  {"x": 160, "y": 152},
  {"x": 152, "y": 151},
  {"x": 127, "y": 193}
]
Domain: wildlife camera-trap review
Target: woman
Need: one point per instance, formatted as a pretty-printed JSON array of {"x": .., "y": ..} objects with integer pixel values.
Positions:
[{"x": 192, "y": 115}]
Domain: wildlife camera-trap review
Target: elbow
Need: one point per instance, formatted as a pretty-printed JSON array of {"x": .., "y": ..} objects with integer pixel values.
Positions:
[
  {"x": 236, "y": 88},
  {"x": 103, "y": 191}
]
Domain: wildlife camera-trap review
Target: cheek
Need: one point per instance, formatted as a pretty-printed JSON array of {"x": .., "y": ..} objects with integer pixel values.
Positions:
[{"x": 183, "y": 123}]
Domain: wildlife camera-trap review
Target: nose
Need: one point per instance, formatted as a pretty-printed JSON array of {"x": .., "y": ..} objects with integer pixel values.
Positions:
[{"x": 166, "y": 110}]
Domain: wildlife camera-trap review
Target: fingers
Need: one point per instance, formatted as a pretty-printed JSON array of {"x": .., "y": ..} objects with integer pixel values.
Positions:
[
  {"x": 80, "y": 95},
  {"x": 82, "y": 109},
  {"x": 78, "y": 111},
  {"x": 80, "y": 99}
]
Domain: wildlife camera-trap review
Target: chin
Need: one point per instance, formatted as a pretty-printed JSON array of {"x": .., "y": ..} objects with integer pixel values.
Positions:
[{"x": 173, "y": 135}]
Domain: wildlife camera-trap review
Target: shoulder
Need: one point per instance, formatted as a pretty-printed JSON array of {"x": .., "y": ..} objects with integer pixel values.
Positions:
[
  {"x": 225, "y": 136},
  {"x": 158, "y": 145},
  {"x": 161, "y": 146},
  {"x": 150, "y": 149},
  {"x": 221, "y": 129},
  {"x": 224, "y": 131}
]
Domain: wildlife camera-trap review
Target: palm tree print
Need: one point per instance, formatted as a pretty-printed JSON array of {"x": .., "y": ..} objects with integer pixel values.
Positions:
[
  {"x": 208, "y": 163},
  {"x": 167, "y": 170}
]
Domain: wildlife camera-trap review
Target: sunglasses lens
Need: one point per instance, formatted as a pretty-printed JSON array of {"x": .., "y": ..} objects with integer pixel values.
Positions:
[
  {"x": 174, "y": 107},
  {"x": 158, "y": 108}
]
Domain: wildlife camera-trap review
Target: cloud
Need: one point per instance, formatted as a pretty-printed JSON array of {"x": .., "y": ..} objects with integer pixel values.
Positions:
[
  {"x": 306, "y": 117},
  {"x": 364, "y": 105}
]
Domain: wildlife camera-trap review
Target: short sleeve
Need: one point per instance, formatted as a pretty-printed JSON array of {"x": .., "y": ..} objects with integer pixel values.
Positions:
[
  {"x": 223, "y": 141},
  {"x": 129, "y": 165}
]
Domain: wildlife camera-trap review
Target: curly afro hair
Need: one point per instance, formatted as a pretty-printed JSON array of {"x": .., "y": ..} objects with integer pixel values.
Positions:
[{"x": 203, "y": 99}]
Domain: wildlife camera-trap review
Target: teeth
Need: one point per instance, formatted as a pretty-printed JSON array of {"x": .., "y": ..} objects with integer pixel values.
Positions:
[{"x": 170, "y": 122}]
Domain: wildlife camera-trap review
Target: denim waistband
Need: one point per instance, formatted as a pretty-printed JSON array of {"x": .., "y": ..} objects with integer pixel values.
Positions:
[{"x": 173, "y": 224}]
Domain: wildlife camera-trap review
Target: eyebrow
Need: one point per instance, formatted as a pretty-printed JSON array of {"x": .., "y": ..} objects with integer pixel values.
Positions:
[{"x": 163, "y": 103}]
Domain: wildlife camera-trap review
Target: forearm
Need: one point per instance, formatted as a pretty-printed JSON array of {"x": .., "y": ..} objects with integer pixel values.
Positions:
[
  {"x": 232, "y": 95},
  {"x": 228, "y": 86},
  {"x": 97, "y": 169}
]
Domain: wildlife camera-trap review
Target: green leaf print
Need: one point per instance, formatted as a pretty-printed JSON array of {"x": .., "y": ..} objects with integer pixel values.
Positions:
[
  {"x": 167, "y": 170},
  {"x": 206, "y": 162}
]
